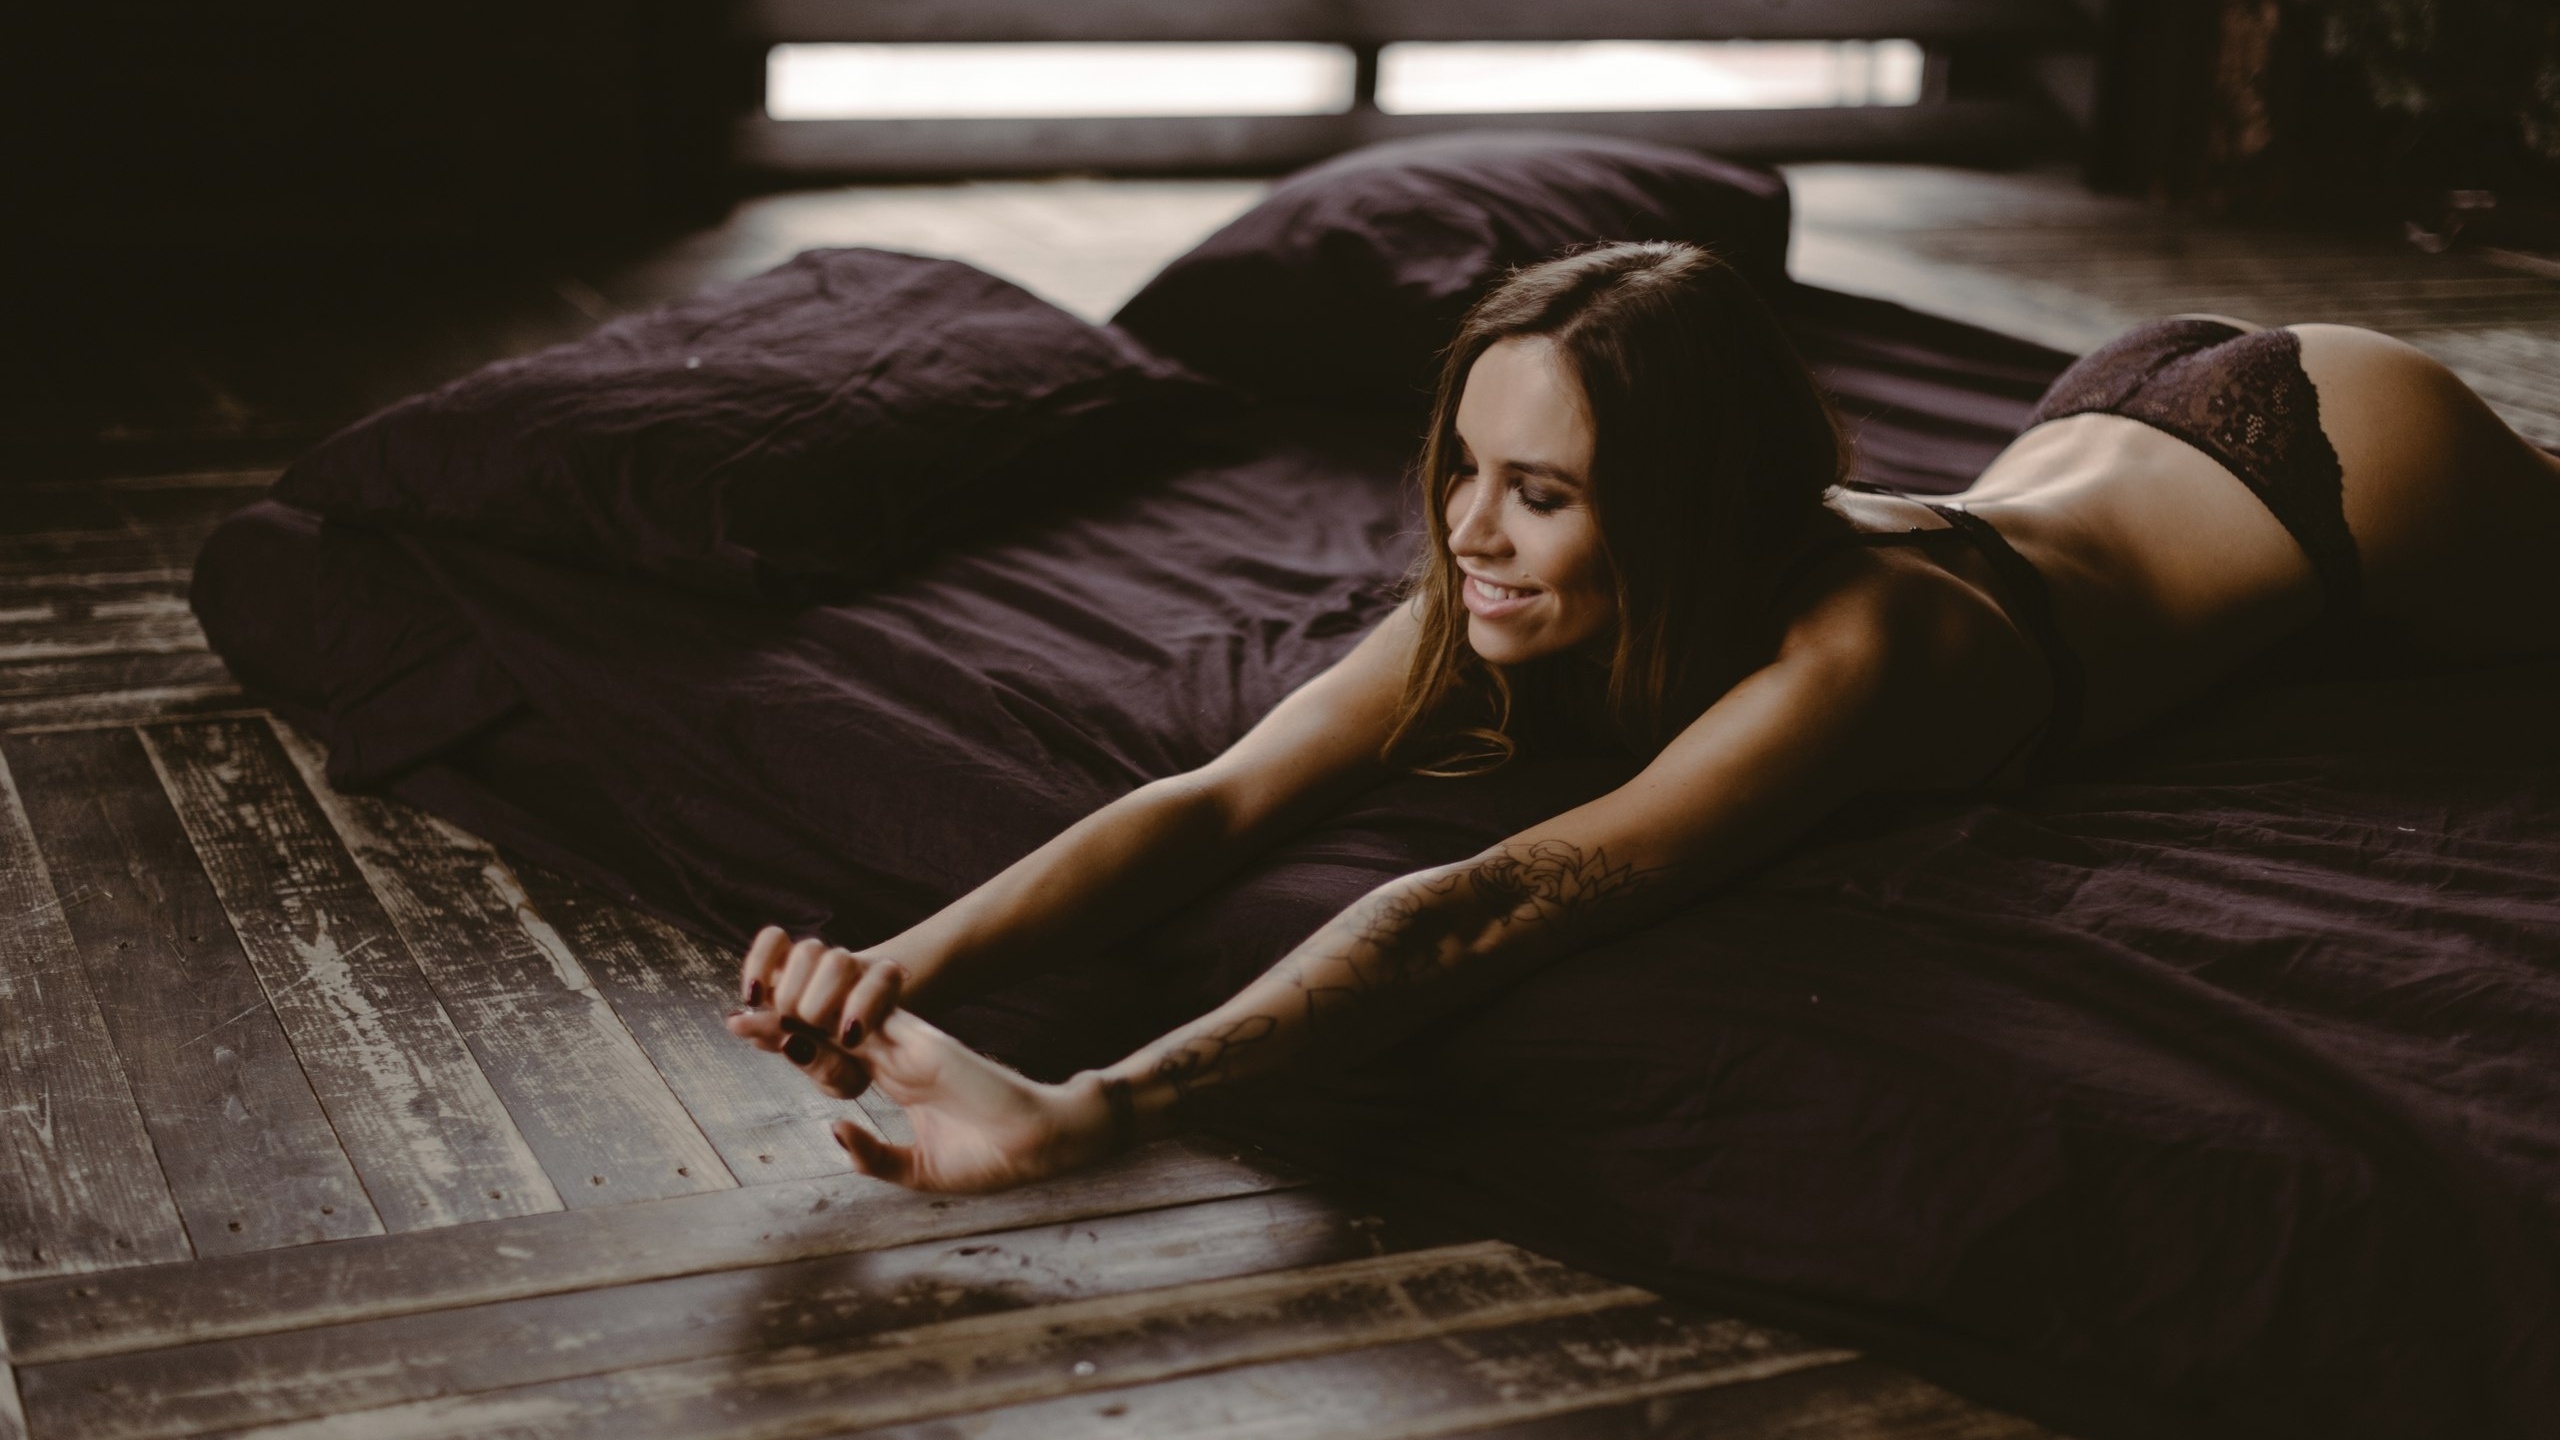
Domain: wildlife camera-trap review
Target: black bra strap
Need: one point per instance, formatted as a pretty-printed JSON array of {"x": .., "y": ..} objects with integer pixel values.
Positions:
[
  {"x": 1863, "y": 539},
  {"x": 2022, "y": 592},
  {"x": 2030, "y": 604}
]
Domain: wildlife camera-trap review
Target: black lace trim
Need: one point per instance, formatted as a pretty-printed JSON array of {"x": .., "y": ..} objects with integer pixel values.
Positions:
[{"x": 2241, "y": 398}]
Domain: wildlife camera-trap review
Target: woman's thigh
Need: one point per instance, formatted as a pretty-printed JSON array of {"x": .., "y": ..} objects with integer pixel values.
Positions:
[{"x": 2456, "y": 518}]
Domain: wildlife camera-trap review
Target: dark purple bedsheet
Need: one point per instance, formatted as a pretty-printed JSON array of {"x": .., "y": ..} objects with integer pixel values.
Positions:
[{"x": 2211, "y": 1091}]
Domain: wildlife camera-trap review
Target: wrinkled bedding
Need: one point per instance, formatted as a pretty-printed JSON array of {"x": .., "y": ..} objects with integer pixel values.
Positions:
[{"x": 2214, "y": 1089}]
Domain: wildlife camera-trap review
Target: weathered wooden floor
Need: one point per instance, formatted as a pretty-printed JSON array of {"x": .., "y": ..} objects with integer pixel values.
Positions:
[{"x": 319, "y": 1117}]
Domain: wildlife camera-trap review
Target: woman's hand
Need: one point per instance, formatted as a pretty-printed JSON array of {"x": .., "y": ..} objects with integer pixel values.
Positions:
[
  {"x": 978, "y": 1125},
  {"x": 812, "y": 1004}
]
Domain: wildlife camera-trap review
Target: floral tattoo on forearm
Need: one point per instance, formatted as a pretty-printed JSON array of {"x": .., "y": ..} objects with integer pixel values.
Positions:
[{"x": 1406, "y": 948}]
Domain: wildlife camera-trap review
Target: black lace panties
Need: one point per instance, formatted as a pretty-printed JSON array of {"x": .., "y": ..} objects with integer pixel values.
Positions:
[{"x": 2240, "y": 397}]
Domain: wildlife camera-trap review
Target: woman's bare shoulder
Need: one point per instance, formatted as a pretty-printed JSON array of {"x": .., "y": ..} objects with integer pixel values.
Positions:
[
  {"x": 1929, "y": 651},
  {"x": 1885, "y": 604}
]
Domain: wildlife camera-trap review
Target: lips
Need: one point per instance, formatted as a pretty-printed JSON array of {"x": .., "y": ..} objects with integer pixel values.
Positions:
[{"x": 1489, "y": 601}]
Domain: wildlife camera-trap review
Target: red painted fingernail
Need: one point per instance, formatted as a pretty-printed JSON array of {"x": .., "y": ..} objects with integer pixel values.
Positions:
[
  {"x": 852, "y": 1035},
  {"x": 800, "y": 1049},
  {"x": 798, "y": 1026},
  {"x": 755, "y": 993}
]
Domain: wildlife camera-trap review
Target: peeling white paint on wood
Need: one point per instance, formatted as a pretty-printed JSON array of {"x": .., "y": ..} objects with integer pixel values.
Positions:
[
  {"x": 590, "y": 1103},
  {"x": 763, "y": 1114},
  {"x": 80, "y": 1186},
  {"x": 419, "y": 1121}
]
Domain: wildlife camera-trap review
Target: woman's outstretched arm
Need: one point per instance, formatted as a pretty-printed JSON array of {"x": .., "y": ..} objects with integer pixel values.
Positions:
[
  {"x": 1103, "y": 878},
  {"x": 1781, "y": 750}
]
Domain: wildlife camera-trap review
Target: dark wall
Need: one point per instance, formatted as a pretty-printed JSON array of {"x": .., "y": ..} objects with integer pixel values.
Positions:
[
  {"x": 454, "y": 122},
  {"x": 2345, "y": 106}
]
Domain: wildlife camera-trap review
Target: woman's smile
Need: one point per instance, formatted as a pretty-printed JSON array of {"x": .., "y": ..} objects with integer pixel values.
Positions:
[{"x": 1488, "y": 601}]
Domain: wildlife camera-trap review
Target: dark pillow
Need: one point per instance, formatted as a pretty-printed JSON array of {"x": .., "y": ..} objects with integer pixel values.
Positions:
[
  {"x": 791, "y": 436},
  {"x": 1348, "y": 279}
]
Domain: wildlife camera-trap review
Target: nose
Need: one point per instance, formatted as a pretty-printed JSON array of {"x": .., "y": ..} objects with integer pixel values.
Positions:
[{"x": 1475, "y": 519}]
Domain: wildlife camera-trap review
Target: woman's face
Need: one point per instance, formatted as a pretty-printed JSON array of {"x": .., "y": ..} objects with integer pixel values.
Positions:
[{"x": 1519, "y": 508}]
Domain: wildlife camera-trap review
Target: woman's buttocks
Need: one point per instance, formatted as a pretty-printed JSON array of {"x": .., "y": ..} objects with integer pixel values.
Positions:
[{"x": 2167, "y": 573}]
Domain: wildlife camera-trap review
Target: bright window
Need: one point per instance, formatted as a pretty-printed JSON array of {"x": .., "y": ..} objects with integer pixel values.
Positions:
[
  {"x": 904, "y": 82},
  {"x": 1581, "y": 75}
]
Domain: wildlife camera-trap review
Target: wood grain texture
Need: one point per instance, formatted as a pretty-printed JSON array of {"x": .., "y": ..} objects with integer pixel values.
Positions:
[
  {"x": 764, "y": 1116},
  {"x": 268, "y": 1379},
  {"x": 249, "y": 1155},
  {"x": 1854, "y": 1400},
  {"x": 52, "y": 637},
  {"x": 427, "y": 1134},
  {"x": 590, "y": 1105},
  {"x": 14, "y": 583},
  {"x": 79, "y": 1186},
  {"x": 13, "y": 1419},
  {"x": 117, "y": 550},
  {"x": 48, "y": 1321},
  {"x": 1408, "y": 1381},
  {"x": 1027, "y": 1357},
  {"x": 98, "y": 677},
  {"x": 113, "y": 690}
]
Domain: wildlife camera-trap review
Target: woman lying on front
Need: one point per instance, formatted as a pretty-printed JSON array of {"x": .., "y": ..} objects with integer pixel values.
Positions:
[{"x": 1638, "y": 534}]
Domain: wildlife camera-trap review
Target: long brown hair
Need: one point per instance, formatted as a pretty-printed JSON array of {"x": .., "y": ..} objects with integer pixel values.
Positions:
[{"x": 1712, "y": 451}]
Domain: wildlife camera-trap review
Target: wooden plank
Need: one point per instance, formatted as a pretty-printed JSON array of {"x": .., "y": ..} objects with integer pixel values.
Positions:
[
  {"x": 1855, "y": 1400},
  {"x": 427, "y": 1134},
  {"x": 42, "y": 614},
  {"x": 764, "y": 1116},
  {"x": 100, "y": 690},
  {"x": 594, "y": 1110},
  {"x": 1131, "y": 145},
  {"x": 102, "y": 550},
  {"x": 248, "y": 1152},
  {"x": 1026, "y": 1357},
  {"x": 246, "y": 1294},
  {"x": 119, "y": 708},
  {"x": 16, "y": 583},
  {"x": 269, "y": 1379},
  {"x": 13, "y": 1418},
  {"x": 1405, "y": 1382},
  {"x": 92, "y": 677},
  {"x": 79, "y": 1186},
  {"x": 50, "y": 636},
  {"x": 1375, "y": 21}
]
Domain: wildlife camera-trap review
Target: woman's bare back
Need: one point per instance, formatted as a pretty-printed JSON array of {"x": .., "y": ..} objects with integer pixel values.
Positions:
[{"x": 2169, "y": 574}]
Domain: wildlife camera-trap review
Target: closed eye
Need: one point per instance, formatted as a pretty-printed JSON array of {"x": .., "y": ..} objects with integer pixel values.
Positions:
[{"x": 1539, "y": 492}]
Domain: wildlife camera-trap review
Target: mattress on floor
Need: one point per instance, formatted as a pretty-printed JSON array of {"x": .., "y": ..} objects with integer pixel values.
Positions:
[{"x": 2208, "y": 1090}]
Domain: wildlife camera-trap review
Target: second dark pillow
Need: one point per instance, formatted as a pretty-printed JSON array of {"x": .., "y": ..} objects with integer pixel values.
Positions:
[{"x": 1345, "y": 282}]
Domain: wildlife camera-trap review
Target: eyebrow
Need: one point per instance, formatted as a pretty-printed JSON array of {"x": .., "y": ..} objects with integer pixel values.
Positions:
[
  {"x": 1538, "y": 468},
  {"x": 1545, "y": 471}
]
